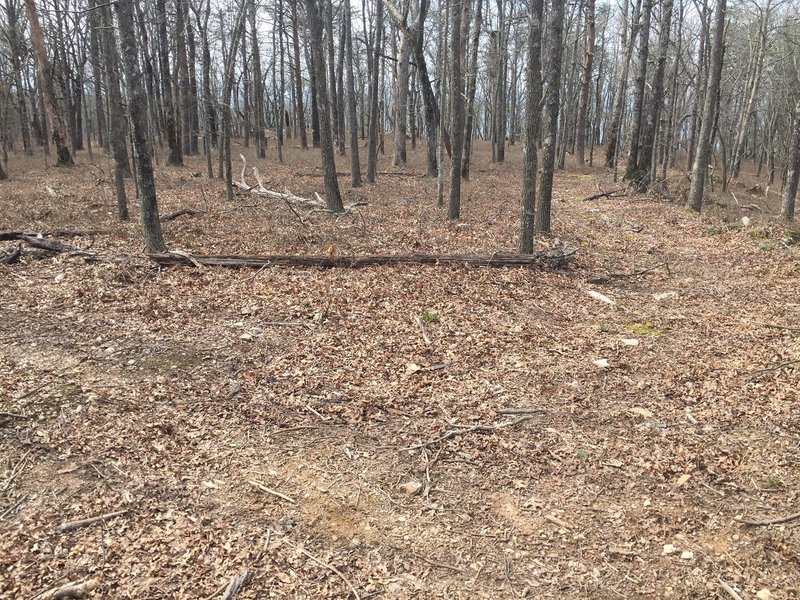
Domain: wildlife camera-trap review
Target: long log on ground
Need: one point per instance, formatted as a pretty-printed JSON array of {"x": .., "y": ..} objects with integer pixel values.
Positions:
[
  {"x": 179, "y": 213},
  {"x": 545, "y": 260},
  {"x": 6, "y": 236},
  {"x": 39, "y": 241}
]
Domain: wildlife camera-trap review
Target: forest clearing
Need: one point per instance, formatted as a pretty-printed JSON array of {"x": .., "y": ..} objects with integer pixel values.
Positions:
[{"x": 604, "y": 429}]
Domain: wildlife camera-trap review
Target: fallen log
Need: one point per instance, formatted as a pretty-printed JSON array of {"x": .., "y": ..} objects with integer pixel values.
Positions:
[
  {"x": 39, "y": 241},
  {"x": 545, "y": 260},
  {"x": 179, "y": 213}
]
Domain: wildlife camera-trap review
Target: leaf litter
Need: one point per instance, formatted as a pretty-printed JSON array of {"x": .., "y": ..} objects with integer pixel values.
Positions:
[{"x": 300, "y": 429}]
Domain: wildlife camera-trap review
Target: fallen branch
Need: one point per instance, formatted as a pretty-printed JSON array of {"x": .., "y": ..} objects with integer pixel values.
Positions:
[
  {"x": 347, "y": 209},
  {"x": 72, "y": 525},
  {"x": 6, "y": 236},
  {"x": 462, "y": 431},
  {"x": 609, "y": 194},
  {"x": 9, "y": 258},
  {"x": 619, "y": 275},
  {"x": 236, "y": 584},
  {"x": 776, "y": 368},
  {"x": 75, "y": 589},
  {"x": 545, "y": 260},
  {"x": 775, "y": 326},
  {"x": 267, "y": 490},
  {"x": 731, "y": 592},
  {"x": 774, "y": 521},
  {"x": 331, "y": 568},
  {"x": 521, "y": 411},
  {"x": 39, "y": 241},
  {"x": 180, "y": 213}
]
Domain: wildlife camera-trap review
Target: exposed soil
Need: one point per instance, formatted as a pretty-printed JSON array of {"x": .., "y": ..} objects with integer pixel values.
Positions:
[{"x": 652, "y": 417}]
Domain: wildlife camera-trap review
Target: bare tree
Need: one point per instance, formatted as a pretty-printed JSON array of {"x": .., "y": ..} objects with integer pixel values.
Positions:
[
  {"x": 700, "y": 166},
  {"x": 137, "y": 111},
  {"x": 459, "y": 8},
  {"x": 63, "y": 153},
  {"x": 532, "y": 119},
  {"x": 586, "y": 83}
]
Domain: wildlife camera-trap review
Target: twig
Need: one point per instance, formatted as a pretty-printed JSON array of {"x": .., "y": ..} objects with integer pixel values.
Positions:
[
  {"x": 11, "y": 509},
  {"x": 10, "y": 415},
  {"x": 421, "y": 324},
  {"x": 521, "y": 411},
  {"x": 433, "y": 563},
  {"x": 15, "y": 470},
  {"x": 180, "y": 213},
  {"x": 236, "y": 584},
  {"x": 775, "y": 326},
  {"x": 267, "y": 490},
  {"x": 602, "y": 194},
  {"x": 729, "y": 589},
  {"x": 64, "y": 527},
  {"x": 454, "y": 432},
  {"x": 610, "y": 276},
  {"x": 774, "y": 521},
  {"x": 307, "y": 554},
  {"x": 285, "y": 324},
  {"x": 556, "y": 521},
  {"x": 776, "y": 368},
  {"x": 296, "y": 214}
]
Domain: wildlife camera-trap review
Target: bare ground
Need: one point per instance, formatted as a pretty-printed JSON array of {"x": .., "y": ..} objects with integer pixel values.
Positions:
[{"x": 189, "y": 396}]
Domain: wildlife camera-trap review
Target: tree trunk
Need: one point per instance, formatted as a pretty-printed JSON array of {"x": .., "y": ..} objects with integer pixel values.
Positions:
[
  {"x": 700, "y": 167},
  {"x": 258, "y": 86},
  {"x": 637, "y": 116},
  {"x": 374, "y": 106},
  {"x": 355, "y": 165},
  {"x": 532, "y": 121},
  {"x": 184, "y": 87},
  {"x": 334, "y": 199},
  {"x": 472, "y": 79},
  {"x": 459, "y": 10},
  {"x": 401, "y": 103},
  {"x": 793, "y": 176},
  {"x": 63, "y": 154},
  {"x": 618, "y": 106},
  {"x": 555, "y": 50},
  {"x": 586, "y": 84},
  {"x": 171, "y": 125},
  {"x": 298, "y": 82},
  {"x": 137, "y": 110},
  {"x": 17, "y": 54}
]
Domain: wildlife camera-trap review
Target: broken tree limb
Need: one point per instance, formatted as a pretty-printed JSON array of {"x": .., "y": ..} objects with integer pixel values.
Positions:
[
  {"x": 609, "y": 276},
  {"x": 774, "y": 521},
  {"x": 236, "y": 584},
  {"x": 544, "y": 260},
  {"x": 179, "y": 213},
  {"x": 471, "y": 429},
  {"x": 39, "y": 241},
  {"x": 609, "y": 194},
  {"x": 72, "y": 525},
  {"x": 75, "y": 589}
]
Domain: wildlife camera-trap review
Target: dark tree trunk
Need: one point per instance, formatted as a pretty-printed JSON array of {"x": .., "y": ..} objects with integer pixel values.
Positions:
[
  {"x": 374, "y": 105},
  {"x": 170, "y": 125},
  {"x": 700, "y": 166},
  {"x": 532, "y": 121},
  {"x": 472, "y": 79},
  {"x": 552, "y": 75},
  {"x": 334, "y": 199},
  {"x": 355, "y": 166},
  {"x": 459, "y": 9},
  {"x": 137, "y": 110},
  {"x": 793, "y": 176},
  {"x": 17, "y": 54},
  {"x": 298, "y": 82},
  {"x": 63, "y": 153},
  {"x": 637, "y": 115},
  {"x": 586, "y": 84}
]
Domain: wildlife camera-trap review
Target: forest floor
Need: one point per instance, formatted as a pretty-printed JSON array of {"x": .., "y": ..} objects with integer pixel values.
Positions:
[{"x": 300, "y": 424}]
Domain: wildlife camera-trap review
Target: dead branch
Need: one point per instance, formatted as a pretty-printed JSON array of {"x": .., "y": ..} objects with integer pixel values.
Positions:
[
  {"x": 521, "y": 411},
  {"x": 774, "y": 521},
  {"x": 609, "y": 194},
  {"x": 180, "y": 213},
  {"x": 332, "y": 569},
  {"x": 267, "y": 490},
  {"x": 75, "y": 589},
  {"x": 9, "y": 258},
  {"x": 775, "y": 368},
  {"x": 71, "y": 525},
  {"x": 39, "y": 241},
  {"x": 236, "y": 584},
  {"x": 776, "y": 326},
  {"x": 347, "y": 209},
  {"x": 731, "y": 592},
  {"x": 462, "y": 431},
  {"x": 618, "y": 275},
  {"x": 544, "y": 260}
]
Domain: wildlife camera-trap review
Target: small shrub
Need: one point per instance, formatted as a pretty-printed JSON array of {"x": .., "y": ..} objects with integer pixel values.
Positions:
[{"x": 429, "y": 317}]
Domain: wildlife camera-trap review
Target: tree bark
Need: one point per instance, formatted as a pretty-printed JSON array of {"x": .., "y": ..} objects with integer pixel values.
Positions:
[
  {"x": 700, "y": 166},
  {"x": 298, "y": 82},
  {"x": 355, "y": 165},
  {"x": 532, "y": 121},
  {"x": 333, "y": 197},
  {"x": 170, "y": 120},
  {"x": 586, "y": 84},
  {"x": 137, "y": 110},
  {"x": 622, "y": 84},
  {"x": 555, "y": 50},
  {"x": 472, "y": 79},
  {"x": 793, "y": 176},
  {"x": 63, "y": 153},
  {"x": 459, "y": 8},
  {"x": 374, "y": 105},
  {"x": 637, "y": 114}
]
